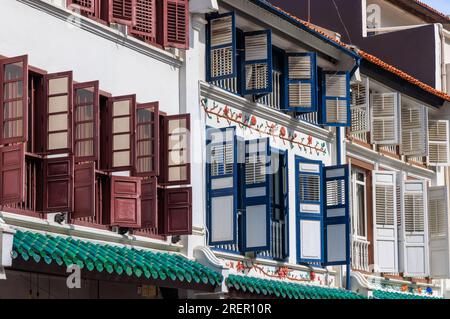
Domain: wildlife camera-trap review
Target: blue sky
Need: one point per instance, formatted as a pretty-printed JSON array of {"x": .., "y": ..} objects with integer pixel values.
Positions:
[{"x": 441, "y": 5}]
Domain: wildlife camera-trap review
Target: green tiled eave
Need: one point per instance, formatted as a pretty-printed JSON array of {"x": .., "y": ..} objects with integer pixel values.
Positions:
[
  {"x": 382, "y": 294},
  {"x": 120, "y": 260},
  {"x": 286, "y": 290}
]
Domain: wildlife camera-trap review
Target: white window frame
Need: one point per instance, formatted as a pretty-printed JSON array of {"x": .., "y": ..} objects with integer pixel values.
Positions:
[{"x": 355, "y": 215}]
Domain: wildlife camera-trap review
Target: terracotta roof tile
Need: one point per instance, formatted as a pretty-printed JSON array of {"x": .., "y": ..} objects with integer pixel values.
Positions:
[{"x": 426, "y": 6}]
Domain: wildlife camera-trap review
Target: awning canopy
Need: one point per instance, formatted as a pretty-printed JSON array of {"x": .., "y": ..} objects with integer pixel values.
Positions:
[{"x": 383, "y": 294}]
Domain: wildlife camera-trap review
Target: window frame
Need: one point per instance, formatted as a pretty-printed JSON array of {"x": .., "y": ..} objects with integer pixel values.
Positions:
[{"x": 355, "y": 214}]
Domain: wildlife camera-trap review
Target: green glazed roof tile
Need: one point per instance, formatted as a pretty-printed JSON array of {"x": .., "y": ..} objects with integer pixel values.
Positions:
[
  {"x": 122, "y": 260},
  {"x": 383, "y": 294}
]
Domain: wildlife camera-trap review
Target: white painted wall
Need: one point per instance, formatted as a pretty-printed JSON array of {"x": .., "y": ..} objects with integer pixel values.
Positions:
[{"x": 392, "y": 16}]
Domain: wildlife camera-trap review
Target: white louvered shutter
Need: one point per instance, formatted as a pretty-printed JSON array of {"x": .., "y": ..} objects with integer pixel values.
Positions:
[
  {"x": 438, "y": 143},
  {"x": 336, "y": 98},
  {"x": 384, "y": 118},
  {"x": 414, "y": 130},
  {"x": 302, "y": 82},
  {"x": 385, "y": 221},
  {"x": 359, "y": 107}
]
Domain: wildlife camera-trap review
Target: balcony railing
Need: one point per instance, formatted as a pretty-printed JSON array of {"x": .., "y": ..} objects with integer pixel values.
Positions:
[
  {"x": 278, "y": 241},
  {"x": 230, "y": 85},
  {"x": 360, "y": 254},
  {"x": 273, "y": 99},
  {"x": 361, "y": 136}
]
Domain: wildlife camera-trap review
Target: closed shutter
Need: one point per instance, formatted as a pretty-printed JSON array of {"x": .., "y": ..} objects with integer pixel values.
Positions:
[
  {"x": 14, "y": 100},
  {"x": 337, "y": 214},
  {"x": 222, "y": 186},
  {"x": 309, "y": 213},
  {"x": 84, "y": 6},
  {"x": 438, "y": 232},
  {"x": 145, "y": 27},
  {"x": 84, "y": 190},
  {"x": 12, "y": 174},
  {"x": 258, "y": 62},
  {"x": 176, "y": 23},
  {"x": 58, "y": 119},
  {"x": 58, "y": 184},
  {"x": 414, "y": 130},
  {"x": 177, "y": 207},
  {"x": 221, "y": 47},
  {"x": 256, "y": 226},
  {"x": 384, "y": 118},
  {"x": 438, "y": 143},
  {"x": 149, "y": 203},
  {"x": 125, "y": 205},
  {"x": 359, "y": 107},
  {"x": 86, "y": 121},
  {"x": 336, "y": 98},
  {"x": 301, "y": 81},
  {"x": 385, "y": 221},
  {"x": 122, "y": 12}
]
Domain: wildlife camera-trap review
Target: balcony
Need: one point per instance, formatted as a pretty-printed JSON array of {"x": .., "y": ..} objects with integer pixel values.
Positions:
[{"x": 360, "y": 254}]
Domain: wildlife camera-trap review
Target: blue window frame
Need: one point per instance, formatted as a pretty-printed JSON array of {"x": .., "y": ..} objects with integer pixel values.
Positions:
[{"x": 336, "y": 98}]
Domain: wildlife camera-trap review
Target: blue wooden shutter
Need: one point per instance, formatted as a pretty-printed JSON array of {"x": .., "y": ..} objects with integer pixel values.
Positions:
[
  {"x": 309, "y": 212},
  {"x": 258, "y": 62},
  {"x": 256, "y": 225},
  {"x": 221, "y": 47},
  {"x": 336, "y": 99},
  {"x": 222, "y": 185},
  {"x": 301, "y": 82},
  {"x": 336, "y": 216}
]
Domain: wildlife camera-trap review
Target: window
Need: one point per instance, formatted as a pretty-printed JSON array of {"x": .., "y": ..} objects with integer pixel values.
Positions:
[
  {"x": 336, "y": 98},
  {"x": 275, "y": 99},
  {"x": 438, "y": 143},
  {"x": 147, "y": 140},
  {"x": 359, "y": 204}
]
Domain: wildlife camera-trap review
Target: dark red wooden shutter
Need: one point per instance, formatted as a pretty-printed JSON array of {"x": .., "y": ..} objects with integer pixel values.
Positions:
[
  {"x": 149, "y": 203},
  {"x": 177, "y": 219},
  {"x": 58, "y": 119},
  {"x": 84, "y": 6},
  {"x": 125, "y": 205},
  {"x": 86, "y": 121},
  {"x": 176, "y": 23},
  {"x": 12, "y": 174},
  {"x": 145, "y": 27},
  {"x": 84, "y": 190},
  {"x": 58, "y": 184},
  {"x": 122, "y": 12},
  {"x": 14, "y": 100},
  {"x": 146, "y": 162}
]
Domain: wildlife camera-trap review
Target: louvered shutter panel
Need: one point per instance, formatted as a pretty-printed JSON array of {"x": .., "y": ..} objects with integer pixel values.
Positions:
[
  {"x": 149, "y": 203},
  {"x": 177, "y": 219},
  {"x": 122, "y": 12},
  {"x": 12, "y": 174},
  {"x": 125, "y": 205},
  {"x": 176, "y": 23},
  {"x": 84, "y": 190},
  {"x": 258, "y": 62},
  {"x": 309, "y": 211},
  {"x": 385, "y": 221},
  {"x": 337, "y": 214},
  {"x": 221, "y": 47},
  {"x": 86, "y": 121},
  {"x": 438, "y": 143},
  {"x": 222, "y": 185},
  {"x": 301, "y": 81},
  {"x": 58, "y": 184},
  {"x": 413, "y": 234},
  {"x": 336, "y": 98},
  {"x": 359, "y": 107},
  {"x": 257, "y": 200},
  {"x": 84, "y": 6},
  {"x": 384, "y": 118},
  {"x": 145, "y": 27},
  {"x": 438, "y": 232},
  {"x": 414, "y": 130}
]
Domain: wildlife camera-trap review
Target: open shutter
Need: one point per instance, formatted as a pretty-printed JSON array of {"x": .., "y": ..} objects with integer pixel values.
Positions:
[
  {"x": 58, "y": 119},
  {"x": 86, "y": 121},
  {"x": 258, "y": 62},
  {"x": 149, "y": 203},
  {"x": 176, "y": 23},
  {"x": 337, "y": 214},
  {"x": 122, "y": 12},
  {"x": 125, "y": 205},
  {"x": 359, "y": 107},
  {"x": 413, "y": 230},
  {"x": 12, "y": 174},
  {"x": 177, "y": 219},
  {"x": 309, "y": 211},
  {"x": 222, "y": 185},
  {"x": 145, "y": 27},
  {"x": 146, "y": 161},
  {"x": 438, "y": 232},
  {"x": 176, "y": 169},
  {"x": 438, "y": 143},
  {"x": 301, "y": 81},
  {"x": 336, "y": 98},
  {"x": 256, "y": 226},
  {"x": 84, "y": 6},
  {"x": 385, "y": 118},
  {"x": 122, "y": 110},
  {"x": 385, "y": 221},
  {"x": 221, "y": 47},
  {"x": 84, "y": 190},
  {"x": 14, "y": 100},
  {"x": 58, "y": 184},
  {"x": 414, "y": 130}
]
